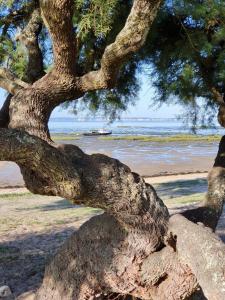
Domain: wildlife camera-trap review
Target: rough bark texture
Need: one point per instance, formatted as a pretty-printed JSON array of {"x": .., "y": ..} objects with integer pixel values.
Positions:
[
  {"x": 128, "y": 41},
  {"x": 210, "y": 211},
  {"x": 104, "y": 257},
  {"x": 10, "y": 83},
  {"x": 207, "y": 260},
  {"x": 127, "y": 250},
  {"x": 93, "y": 180}
]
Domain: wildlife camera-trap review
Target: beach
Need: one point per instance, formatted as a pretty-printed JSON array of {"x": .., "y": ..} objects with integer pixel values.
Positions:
[{"x": 145, "y": 158}]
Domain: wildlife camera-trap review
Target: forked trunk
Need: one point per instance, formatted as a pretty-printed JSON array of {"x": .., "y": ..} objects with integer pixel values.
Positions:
[{"x": 133, "y": 248}]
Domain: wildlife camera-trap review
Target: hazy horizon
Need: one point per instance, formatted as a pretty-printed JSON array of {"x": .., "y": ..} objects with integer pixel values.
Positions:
[{"x": 144, "y": 106}]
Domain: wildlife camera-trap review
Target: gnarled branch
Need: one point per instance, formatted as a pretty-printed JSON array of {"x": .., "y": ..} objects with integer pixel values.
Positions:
[
  {"x": 57, "y": 15},
  {"x": 128, "y": 41},
  {"x": 10, "y": 82},
  {"x": 94, "y": 180},
  {"x": 29, "y": 38}
]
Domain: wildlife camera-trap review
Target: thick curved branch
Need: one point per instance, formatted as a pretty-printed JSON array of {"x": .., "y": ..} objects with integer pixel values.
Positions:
[
  {"x": 94, "y": 180},
  {"x": 29, "y": 38},
  {"x": 61, "y": 84},
  {"x": 58, "y": 19},
  {"x": 57, "y": 15},
  {"x": 10, "y": 82},
  {"x": 211, "y": 209},
  {"x": 203, "y": 252},
  {"x": 129, "y": 40},
  {"x": 24, "y": 149}
]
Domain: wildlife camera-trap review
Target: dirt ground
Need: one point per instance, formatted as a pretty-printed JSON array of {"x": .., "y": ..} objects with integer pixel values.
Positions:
[{"x": 33, "y": 227}]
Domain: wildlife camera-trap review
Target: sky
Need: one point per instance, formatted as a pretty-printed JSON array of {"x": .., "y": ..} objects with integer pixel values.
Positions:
[{"x": 143, "y": 108}]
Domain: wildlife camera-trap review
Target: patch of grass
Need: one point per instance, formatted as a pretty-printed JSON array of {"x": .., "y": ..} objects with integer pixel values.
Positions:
[
  {"x": 166, "y": 139},
  {"x": 186, "y": 199},
  {"x": 64, "y": 137},
  {"x": 15, "y": 195}
]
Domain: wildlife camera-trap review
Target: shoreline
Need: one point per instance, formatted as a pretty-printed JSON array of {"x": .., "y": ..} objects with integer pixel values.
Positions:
[
  {"x": 145, "y": 158},
  {"x": 153, "y": 179}
]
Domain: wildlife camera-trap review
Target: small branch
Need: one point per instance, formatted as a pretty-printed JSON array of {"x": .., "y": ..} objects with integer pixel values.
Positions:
[
  {"x": 10, "y": 82},
  {"x": 129, "y": 40},
  {"x": 18, "y": 15},
  {"x": 29, "y": 38}
]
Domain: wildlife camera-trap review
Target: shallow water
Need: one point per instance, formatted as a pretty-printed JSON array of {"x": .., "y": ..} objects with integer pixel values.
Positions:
[{"x": 150, "y": 158}]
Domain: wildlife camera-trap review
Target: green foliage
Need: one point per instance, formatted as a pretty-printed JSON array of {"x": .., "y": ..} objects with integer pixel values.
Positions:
[
  {"x": 186, "y": 50},
  {"x": 12, "y": 54},
  {"x": 6, "y": 3},
  {"x": 94, "y": 16}
]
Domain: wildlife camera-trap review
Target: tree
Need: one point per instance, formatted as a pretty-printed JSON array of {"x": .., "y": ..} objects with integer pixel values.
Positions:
[
  {"x": 135, "y": 248},
  {"x": 186, "y": 51}
]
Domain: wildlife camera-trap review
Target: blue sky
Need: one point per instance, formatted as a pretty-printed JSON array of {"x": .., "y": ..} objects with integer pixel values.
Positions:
[{"x": 144, "y": 106}]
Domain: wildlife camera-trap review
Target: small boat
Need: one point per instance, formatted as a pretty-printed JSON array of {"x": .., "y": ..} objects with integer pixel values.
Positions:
[{"x": 98, "y": 132}]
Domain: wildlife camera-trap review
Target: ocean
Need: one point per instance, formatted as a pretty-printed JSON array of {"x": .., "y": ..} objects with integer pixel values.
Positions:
[{"x": 129, "y": 126}]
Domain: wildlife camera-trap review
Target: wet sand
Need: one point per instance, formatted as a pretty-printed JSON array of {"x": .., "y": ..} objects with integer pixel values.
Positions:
[{"x": 145, "y": 158}]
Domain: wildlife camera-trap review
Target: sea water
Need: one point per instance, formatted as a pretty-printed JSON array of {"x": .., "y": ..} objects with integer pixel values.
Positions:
[{"x": 129, "y": 126}]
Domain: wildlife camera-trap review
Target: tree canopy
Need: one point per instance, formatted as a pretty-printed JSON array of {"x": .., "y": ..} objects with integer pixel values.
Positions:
[
  {"x": 184, "y": 55},
  {"x": 96, "y": 24},
  {"x": 187, "y": 54}
]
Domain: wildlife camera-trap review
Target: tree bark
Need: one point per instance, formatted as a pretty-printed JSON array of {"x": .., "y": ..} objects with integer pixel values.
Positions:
[
  {"x": 204, "y": 253},
  {"x": 4, "y": 112},
  {"x": 29, "y": 38},
  {"x": 211, "y": 209},
  {"x": 94, "y": 180},
  {"x": 102, "y": 258}
]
